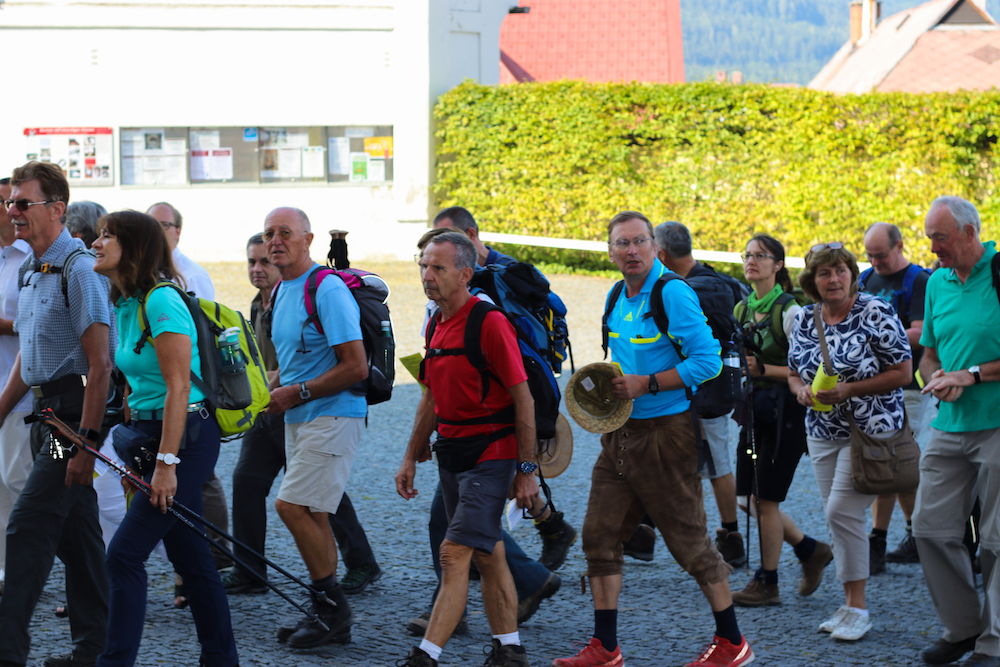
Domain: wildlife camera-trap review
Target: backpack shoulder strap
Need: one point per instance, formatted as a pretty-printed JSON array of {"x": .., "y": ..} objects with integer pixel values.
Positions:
[
  {"x": 778, "y": 318},
  {"x": 315, "y": 277},
  {"x": 863, "y": 278},
  {"x": 147, "y": 329},
  {"x": 659, "y": 312},
  {"x": 613, "y": 295},
  {"x": 741, "y": 311},
  {"x": 904, "y": 297},
  {"x": 67, "y": 265}
]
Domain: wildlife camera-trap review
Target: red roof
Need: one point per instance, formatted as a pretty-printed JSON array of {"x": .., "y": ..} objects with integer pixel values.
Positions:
[
  {"x": 943, "y": 60},
  {"x": 595, "y": 40}
]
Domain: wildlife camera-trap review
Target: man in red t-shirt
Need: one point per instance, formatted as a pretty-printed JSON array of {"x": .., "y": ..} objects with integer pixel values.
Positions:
[{"x": 486, "y": 441}]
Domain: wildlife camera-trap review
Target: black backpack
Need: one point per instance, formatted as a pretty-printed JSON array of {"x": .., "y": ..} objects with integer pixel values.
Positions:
[
  {"x": 541, "y": 381},
  {"x": 718, "y": 296}
]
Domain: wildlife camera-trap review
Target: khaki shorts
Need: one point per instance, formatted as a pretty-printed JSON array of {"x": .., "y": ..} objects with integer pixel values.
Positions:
[{"x": 320, "y": 454}]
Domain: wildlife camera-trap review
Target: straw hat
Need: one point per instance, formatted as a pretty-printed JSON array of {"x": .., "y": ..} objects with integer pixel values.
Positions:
[
  {"x": 554, "y": 454},
  {"x": 591, "y": 402}
]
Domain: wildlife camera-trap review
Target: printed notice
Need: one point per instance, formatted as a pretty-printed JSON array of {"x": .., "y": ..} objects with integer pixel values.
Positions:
[
  {"x": 359, "y": 167},
  {"x": 376, "y": 170},
  {"x": 340, "y": 156},
  {"x": 312, "y": 162},
  {"x": 85, "y": 154}
]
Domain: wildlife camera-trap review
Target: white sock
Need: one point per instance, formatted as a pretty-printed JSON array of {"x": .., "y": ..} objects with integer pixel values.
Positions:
[
  {"x": 509, "y": 639},
  {"x": 433, "y": 650},
  {"x": 862, "y": 612}
]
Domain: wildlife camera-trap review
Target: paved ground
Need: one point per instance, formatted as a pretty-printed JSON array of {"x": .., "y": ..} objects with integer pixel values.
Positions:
[{"x": 664, "y": 620}]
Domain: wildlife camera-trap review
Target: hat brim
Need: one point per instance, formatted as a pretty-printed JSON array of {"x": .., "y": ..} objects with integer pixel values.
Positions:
[
  {"x": 554, "y": 455},
  {"x": 613, "y": 420}
]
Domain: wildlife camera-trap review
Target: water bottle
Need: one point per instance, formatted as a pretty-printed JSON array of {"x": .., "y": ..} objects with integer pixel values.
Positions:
[
  {"x": 229, "y": 347},
  {"x": 386, "y": 333},
  {"x": 731, "y": 359}
]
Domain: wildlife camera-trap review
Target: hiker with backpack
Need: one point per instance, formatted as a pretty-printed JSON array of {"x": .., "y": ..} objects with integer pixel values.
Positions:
[
  {"x": 170, "y": 409},
  {"x": 773, "y": 437},
  {"x": 650, "y": 464},
  {"x": 486, "y": 445}
]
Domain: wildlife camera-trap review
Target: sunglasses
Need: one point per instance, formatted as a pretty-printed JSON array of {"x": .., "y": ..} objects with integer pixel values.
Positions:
[
  {"x": 23, "y": 204},
  {"x": 836, "y": 245}
]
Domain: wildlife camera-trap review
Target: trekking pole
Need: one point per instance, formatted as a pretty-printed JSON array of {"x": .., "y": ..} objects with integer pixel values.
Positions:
[{"x": 48, "y": 417}]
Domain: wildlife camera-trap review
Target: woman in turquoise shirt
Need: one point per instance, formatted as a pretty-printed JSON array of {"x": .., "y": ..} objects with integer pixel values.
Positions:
[{"x": 132, "y": 252}]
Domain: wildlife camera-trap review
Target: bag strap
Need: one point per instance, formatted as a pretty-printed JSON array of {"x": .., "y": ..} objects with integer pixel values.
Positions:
[
  {"x": 613, "y": 295},
  {"x": 818, "y": 320}
]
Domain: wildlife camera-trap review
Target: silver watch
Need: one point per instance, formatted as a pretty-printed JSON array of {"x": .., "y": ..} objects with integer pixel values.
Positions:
[{"x": 169, "y": 459}]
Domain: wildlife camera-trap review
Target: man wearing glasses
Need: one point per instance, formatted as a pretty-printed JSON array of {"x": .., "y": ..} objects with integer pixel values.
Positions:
[
  {"x": 66, "y": 354},
  {"x": 895, "y": 280},
  {"x": 195, "y": 276},
  {"x": 654, "y": 451}
]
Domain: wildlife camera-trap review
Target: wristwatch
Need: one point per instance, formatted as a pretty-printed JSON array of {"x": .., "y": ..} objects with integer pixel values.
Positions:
[
  {"x": 527, "y": 467},
  {"x": 169, "y": 459},
  {"x": 975, "y": 373},
  {"x": 89, "y": 434},
  {"x": 654, "y": 386},
  {"x": 304, "y": 393}
]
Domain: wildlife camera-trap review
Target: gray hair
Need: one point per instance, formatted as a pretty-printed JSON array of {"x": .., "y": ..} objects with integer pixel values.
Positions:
[
  {"x": 81, "y": 219},
  {"x": 962, "y": 210},
  {"x": 466, "y": 256},
  {"x": 673, "y": 238},
  {"x": 891, "y": 230}
]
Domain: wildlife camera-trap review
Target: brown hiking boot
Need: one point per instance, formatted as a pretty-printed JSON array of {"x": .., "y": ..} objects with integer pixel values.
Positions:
[
  {"x": 812, "y": 568},
  {"x": 730, "y": 545},
  {"x": 757, "y": 594}
]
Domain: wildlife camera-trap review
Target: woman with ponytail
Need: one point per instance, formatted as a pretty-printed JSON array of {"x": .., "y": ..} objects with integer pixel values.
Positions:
[{"x": 778, "y": 425}]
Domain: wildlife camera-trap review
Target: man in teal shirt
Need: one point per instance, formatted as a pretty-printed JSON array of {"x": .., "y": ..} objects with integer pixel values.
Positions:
[{"x": 962, "y": 361}]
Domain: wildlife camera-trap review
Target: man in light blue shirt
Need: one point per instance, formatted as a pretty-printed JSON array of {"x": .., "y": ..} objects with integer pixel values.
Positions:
[{"x": 323, "y": 417}]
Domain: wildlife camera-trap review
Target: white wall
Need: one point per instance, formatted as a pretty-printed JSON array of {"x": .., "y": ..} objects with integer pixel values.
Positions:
[{"x": 252, "y": 63}]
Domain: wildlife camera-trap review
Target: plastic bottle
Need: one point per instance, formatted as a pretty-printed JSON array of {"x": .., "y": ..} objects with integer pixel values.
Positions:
[
  {"x": 732, "y": 359},
  {"x": 229, "y": 347},
  {"x": 386, "y": 333}
]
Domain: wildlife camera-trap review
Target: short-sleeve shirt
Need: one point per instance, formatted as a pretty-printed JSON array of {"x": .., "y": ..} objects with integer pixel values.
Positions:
[
  {"x": 196, "y": 278},
  {"x": 48, "y": 332},
  {"x": 886, "y": 289},
  {"x": 11, "y": 258},
  {"x": 457, "y": 386},
  {"x": 639, "y": 347},
  {"x": 341, "y": 319},
  {"x": 167, "y": 313},
  {"x": 962, "y": 324},
  {"x": 870, "y": 339},
  {"x": 267, "y": 352}
]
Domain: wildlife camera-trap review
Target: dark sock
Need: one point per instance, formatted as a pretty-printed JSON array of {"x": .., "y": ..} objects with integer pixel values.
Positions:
[
  {"x": 733, "y": 527},
  {"x": 324, "y": 584},
  {"x": 909, "y": 525},
  {"x": 769, "y": 577},
  {"x": 804, "y": 549},
  {"x": 606, "y": 628},
  {"x": 726, "y": 626},
  {"x": 879, "y": 533}
]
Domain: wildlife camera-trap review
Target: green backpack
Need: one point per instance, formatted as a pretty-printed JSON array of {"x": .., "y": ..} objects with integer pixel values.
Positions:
[{"x": 235, "y": 394}]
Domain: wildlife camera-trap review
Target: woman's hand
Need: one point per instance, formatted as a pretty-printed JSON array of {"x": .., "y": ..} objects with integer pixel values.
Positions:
[
  {"x": 838, "y": 394},
  {"x": 805, "y": 396},
  {"x": 164, "y": 486}
]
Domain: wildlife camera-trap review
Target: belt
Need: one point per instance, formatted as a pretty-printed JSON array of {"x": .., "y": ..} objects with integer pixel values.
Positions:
[
  {"x": 157, "y": 415},
  {"x": 59, "y": 386}
]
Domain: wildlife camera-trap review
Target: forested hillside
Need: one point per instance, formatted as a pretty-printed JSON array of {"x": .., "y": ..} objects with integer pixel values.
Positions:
[{"x": 786, "y": 41}]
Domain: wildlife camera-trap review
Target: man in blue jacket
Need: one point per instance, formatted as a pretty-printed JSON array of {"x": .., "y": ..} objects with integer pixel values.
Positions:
[{"x": 650, "y": 464}]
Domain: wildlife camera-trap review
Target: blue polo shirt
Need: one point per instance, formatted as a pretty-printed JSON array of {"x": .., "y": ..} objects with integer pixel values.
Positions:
[
  {"x": 961, "y": 322},
  {"x": 640, "y": 348}
]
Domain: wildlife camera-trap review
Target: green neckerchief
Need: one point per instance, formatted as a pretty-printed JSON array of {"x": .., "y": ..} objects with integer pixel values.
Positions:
[{"x": 763, "y": 304}]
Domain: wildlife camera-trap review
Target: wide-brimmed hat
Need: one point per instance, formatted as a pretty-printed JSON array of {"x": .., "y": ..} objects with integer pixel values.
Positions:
[
  {"x": 591, "y": 402},
  {"x": 554, "y": 454}
]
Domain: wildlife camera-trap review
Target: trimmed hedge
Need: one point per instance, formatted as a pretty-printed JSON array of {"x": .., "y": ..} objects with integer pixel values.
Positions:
[{"x": 560, "y": 159}]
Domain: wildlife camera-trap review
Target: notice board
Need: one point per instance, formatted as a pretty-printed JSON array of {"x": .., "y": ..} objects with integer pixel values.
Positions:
[{"x": 86, "y": 154}]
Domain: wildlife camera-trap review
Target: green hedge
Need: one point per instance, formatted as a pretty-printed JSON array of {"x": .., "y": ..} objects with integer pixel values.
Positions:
[{"x": 559, "y": 159}]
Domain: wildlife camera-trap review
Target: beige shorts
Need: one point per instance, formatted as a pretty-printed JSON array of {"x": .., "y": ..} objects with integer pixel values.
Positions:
[{"x": 320, "y": 454}]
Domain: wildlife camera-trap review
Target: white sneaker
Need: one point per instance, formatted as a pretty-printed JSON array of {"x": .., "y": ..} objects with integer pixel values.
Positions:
[
  {"x": 853, "y": 627},
  {"x": 831, "y": 623}
]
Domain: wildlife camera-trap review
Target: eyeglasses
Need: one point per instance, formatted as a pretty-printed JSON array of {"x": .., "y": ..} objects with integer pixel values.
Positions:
[
  {"x": 167, "y": 225},
  {"x": 269, "y": 234},
  {"x": 757, "y": 256},
  {"x": 23, "y": 204},
  {"x": 639, "y": 242},
  {"x": 836, "y": 245},
  {"x": 879, "y": 256}
]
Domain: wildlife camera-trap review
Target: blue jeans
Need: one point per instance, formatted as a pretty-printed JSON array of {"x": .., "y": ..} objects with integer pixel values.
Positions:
[
  {"x": 141, "y": 529},
  {"x": 529, "y": 575}
]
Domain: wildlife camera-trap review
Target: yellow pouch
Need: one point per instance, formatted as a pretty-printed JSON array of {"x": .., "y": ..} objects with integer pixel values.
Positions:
[{"x": 821, "y": 382}]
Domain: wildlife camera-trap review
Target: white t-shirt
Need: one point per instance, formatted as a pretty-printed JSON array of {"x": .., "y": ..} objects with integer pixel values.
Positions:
[
  {"x": 11, "y": 259},
  {"x": 195, "y": 277}
]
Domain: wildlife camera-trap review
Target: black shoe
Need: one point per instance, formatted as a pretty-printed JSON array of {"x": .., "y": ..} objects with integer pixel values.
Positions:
[
  {"x": 906, "y": 552},
  {"x": 642, "y": 543},
  {"x": 943, "y": 651},
  {"x": 876, "y": 555},
  {"x": 237, "y": 583},
  {"x": 417, "y": 626},
  {"x": 526, "y": 608},
  {"x": 72, "y": 660},
  {"x": 335, "y": 612},
  {"x": 357, "y": 580},
  {"x": 730, "y": 545},
  {"x": 557, "y": 537},
  {"x": 981, "y": 660},
  {"x": 505, "y": 656},
  {"x": 417, "y": 658}
]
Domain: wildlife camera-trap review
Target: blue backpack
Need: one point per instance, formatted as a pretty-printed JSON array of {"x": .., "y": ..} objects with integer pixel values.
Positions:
[{"x": 900, "y": 298}]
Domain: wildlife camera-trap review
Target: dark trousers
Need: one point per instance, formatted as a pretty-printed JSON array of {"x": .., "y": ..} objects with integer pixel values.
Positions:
[
  {"x": 143, "y": 527},
  {"x": 262, "y": 456},
  {"x": 50, "y": 520}
]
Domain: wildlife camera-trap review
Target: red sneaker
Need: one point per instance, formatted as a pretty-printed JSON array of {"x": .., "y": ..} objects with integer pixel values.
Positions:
[
  {"x": 593, "y": 655},
  {"x": 723, "y": 653}
]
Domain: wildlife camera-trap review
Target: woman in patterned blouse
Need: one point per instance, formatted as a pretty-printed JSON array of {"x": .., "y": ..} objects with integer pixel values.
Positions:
[{"x": 872, "y": 360}]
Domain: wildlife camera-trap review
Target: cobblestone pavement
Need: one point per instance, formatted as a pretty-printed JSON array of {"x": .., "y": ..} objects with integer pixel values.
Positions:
[{"x": 664, "y": 619}]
